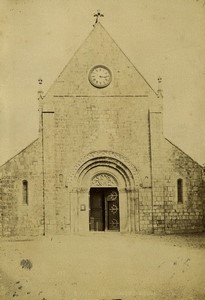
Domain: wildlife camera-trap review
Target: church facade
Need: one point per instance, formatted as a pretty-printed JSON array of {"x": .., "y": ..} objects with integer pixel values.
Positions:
[{"x": 101, "y": 162}]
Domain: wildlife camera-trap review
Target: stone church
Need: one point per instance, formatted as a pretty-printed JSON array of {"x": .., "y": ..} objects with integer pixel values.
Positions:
[{"x": 101, "y": 162}]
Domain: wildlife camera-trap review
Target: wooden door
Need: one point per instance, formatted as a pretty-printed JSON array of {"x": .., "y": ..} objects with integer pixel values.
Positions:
[
  {"x": 113, "y": 216},
  {"x": 104, "y": 209},
  {"x": 97, "y": 210}
]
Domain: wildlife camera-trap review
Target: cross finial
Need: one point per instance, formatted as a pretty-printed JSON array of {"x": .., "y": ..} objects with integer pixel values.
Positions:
[{"x": 97, "y": 15}]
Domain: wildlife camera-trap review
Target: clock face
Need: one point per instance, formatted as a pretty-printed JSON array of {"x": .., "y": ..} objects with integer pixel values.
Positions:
[{"x": 100, "y": 76}]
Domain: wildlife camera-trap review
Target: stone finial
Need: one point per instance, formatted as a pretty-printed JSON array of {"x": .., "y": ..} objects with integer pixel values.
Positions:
[
  {"x": 40, "y": 95},
  {"x": 40, "y": 80},
  {"x": 40, "y": 92},
  {"x": 159, "y": 91}
]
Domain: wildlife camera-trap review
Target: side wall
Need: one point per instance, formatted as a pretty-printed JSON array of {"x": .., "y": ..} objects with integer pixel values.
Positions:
[
  {"x": 16, "y": 217},
  {"x": 188, "y": 215}
]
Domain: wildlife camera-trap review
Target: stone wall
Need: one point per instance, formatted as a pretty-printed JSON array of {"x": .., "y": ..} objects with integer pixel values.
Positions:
[
  {"x": 17, "y": 217},
  {"x": 83, "y": 125},
  {"x": 187, "y": 216},
  {"x": 145, "y": 210}
]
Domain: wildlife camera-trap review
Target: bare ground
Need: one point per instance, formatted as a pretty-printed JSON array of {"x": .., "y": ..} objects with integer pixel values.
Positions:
[{"x": 104, "y": 266}]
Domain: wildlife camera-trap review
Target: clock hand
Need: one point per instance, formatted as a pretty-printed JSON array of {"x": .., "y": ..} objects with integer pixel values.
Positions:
[{"x": 103, "y": 76}]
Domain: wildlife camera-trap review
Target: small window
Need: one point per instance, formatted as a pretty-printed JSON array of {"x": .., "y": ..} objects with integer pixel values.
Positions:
[
  {"x": 25, "y": 192},
  {"x": 180, "y": 191}
]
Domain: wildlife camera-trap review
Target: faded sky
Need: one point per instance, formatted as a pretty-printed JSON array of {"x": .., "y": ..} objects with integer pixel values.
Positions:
[{"x": 160, "y": 37}]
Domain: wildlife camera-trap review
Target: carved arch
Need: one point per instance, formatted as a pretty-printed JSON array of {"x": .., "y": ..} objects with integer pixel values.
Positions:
[{"x": 107, "y": 159}]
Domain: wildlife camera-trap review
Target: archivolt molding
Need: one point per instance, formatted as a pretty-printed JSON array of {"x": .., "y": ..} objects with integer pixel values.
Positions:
[{"x": 108, "y": 159}]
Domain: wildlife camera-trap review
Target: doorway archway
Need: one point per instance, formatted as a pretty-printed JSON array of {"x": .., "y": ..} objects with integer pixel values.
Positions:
[
  {"x": 104, "y": 212},
  {"x": 96, "y": 178}
]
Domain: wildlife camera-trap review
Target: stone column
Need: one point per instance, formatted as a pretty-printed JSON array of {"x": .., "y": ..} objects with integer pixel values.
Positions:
[{"x": 124, "y": 211}]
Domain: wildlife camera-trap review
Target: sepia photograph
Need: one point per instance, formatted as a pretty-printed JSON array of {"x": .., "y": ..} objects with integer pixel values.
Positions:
[{"x": 102, "y": 150}]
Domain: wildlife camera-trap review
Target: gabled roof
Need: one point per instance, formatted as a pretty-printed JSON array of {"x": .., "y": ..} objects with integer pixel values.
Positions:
[
  {"x": 179, "y": 149},
  {"x": 19, "y": 153},
  {"x": 99, "y": 49}
]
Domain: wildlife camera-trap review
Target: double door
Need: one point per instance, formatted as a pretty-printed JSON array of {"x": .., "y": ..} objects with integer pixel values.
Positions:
[{"x": 104, "y": 209}]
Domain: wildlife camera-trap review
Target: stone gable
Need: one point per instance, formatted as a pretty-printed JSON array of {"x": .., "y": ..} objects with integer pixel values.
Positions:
[{"x": 99, "y": 49}]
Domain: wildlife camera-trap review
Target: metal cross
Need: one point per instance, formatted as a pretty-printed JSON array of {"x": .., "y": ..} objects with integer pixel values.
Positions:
[{"x": 97, "y": 16}]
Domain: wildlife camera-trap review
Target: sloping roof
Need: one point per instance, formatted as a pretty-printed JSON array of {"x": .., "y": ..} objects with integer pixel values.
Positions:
[
  {"x": 183, "y": 152},
  {"x": 24, "y": 149}
]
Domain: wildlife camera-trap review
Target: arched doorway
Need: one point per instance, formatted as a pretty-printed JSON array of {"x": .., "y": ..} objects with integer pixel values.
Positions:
[
  {"x": 104, "y": 209},
  {"x": 103, "y": 195}
]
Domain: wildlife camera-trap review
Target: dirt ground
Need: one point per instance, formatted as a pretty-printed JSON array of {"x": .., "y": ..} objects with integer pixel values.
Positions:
[{"x": 109, "y": 266}]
